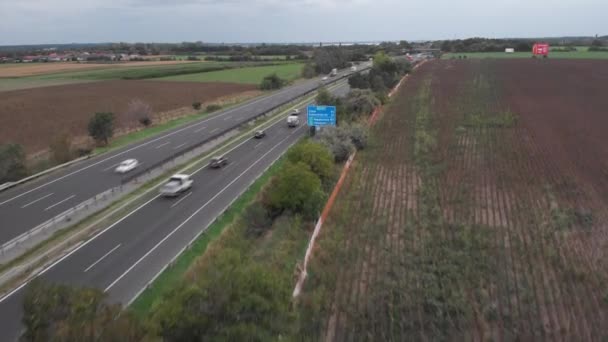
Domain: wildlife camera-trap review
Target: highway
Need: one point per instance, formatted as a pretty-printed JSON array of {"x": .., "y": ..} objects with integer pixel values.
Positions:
[
  {"x": 125, "y": 256},
  {"x": 26, "y": 206}
]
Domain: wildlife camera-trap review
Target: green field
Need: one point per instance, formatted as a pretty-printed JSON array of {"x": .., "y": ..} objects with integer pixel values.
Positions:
[
  {"x": 132, "y": 73},
  {"x": 580, "y": 54},
  {"x": 253, "y": 75}
]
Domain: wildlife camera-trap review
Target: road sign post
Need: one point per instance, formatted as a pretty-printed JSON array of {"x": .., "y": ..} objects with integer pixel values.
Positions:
[{"x": 319, "y": 116}]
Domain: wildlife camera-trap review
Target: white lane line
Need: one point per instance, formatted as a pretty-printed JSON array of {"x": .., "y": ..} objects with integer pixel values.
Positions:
[
  {"x": 189, "y": 218},
  {"x": 8, "y": 295},
  {"x": 34, "y": 201},
  {"x": 215, "y": 130},
  {"x": 110, "y": 167},
  {"x": 150, "y": 142},
  {"x": 228, "y": 118},
  {"x": 103, "y": 257},
  {"x": 58, "y": 203},
  {"x": 178, "y": 146},
  {"x": 229, "y": 165},
  {"x": 163, "y": 144},
  {"x": 258, "y": 144},
  {"x": 200, "y": 129},
  {"x": 181, "y": 199}
]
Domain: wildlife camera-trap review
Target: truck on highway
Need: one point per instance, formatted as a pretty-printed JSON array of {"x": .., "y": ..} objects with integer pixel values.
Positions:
[
  {"x": 293, "y": 121},
  {"x": 334, "y": 72},
  {"x": 176, "y": 185}
]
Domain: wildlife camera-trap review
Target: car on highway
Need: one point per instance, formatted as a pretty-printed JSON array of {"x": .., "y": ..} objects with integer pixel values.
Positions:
[
  {"x": 177, "y": 184},
  {"x": 295, "y": 112},
  {"x": 217, "y": 162},
  {"x": 293, "y": 121},
  {"x": 127, "y": 165},
  {"x": 259, "y": 134},
  {"x": 325, "y": 78}
]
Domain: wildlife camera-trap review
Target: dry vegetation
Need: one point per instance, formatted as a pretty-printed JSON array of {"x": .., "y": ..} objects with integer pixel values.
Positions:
[
  {"x": 479, "y": 212},
  {"x": 32, "y": 69}
]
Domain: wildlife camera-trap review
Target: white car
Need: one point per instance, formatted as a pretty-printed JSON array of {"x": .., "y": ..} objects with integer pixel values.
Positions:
[
  {"x": 127, "y": 165},
  {"x": 176, "y": 185},
  {"x": 325, "y": 78}
]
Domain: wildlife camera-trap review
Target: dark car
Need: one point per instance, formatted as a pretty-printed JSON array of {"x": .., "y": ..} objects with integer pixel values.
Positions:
[
  {"x": 259, "y": 134},
  {"x": 217, "y": 162}
]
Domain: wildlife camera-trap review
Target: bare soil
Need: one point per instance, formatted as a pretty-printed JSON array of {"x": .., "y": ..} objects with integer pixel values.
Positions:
[{"x": 34, "y": 117}]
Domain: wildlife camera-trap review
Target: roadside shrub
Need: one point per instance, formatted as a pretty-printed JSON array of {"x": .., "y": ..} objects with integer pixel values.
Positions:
[
  {"x": 361, "y": 102},
  {"x": 272, "y": 82},
  {"x": 358, "y": 135},
  {"x": 61, "y": 148},
  {"x": 193, "y": 58},
  {"x": 257, "y": 219},
  {"x": 315, "y": 155},
  {"x": 359, "y": 81},
  {"x": 196, "y": 105},
  {"x": 308, "y": 71},
  {"x": 139, "y": 111},
  {"x": 337, "y": 141},
  {"x": 101, "y": 127},
  {"x": 213, "y": 107},
  {"x": 12, "y": 163}
]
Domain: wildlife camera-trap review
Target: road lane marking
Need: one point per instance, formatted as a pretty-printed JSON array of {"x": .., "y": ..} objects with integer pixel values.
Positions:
[
  {"x": 111, "y": 167},
  {"x": 258, "y": 144},
  {"x": 229, "y": 165},
  {"x": 215, "y": 130},
  {"x": 200, "y": 129},
  {"x": 178, "y": 146},
  {"x": 8, "y": 295},
  {"x": 228, "y": 118},
  {"x": 190, "y": 217},
  {"x": 148, "y": 143},
  {"x": 34, "y": 201},
  {"x": 58, "y": 203},
  {"x": 163, "y": 144},
  {"x": 181, "y": 199},
  {"x": 103, "y": 257}
]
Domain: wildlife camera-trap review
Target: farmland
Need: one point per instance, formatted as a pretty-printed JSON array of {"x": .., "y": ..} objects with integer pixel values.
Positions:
[
  {"x": 33, "y": 117},
  {"x": 252, "y": 75},
  {"x": 478, "y": 212},
  {"x": 31, "y": 69}
]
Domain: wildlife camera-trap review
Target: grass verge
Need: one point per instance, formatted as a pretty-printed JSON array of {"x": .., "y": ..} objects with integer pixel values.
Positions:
[{"x": 251, "y": 75}]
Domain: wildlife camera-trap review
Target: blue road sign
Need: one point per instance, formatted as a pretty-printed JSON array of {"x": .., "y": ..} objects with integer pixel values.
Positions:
[{"x": 321, "y": 116}]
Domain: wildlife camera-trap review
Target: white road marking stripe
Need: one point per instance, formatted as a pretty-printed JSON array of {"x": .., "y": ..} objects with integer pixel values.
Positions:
[
  {"x": 110, "y": 167},
  {"x": 178, "y": 146},
  {"x": 34, "y": 201},
  {"x": 189, "y": 218},
  {"x": 103, "y": 257},
  {"x": 215, "y": 130},
  {"x": 163, "y": 144},
  {"x": 200, "y": 129},
  {"x": 258, "y": 144},
  {"x": 58, "y": 203},
  {"x": 8, "y": 295},
  {"x": 228, "y": 118},
  {"x": 181, "y": 199}
]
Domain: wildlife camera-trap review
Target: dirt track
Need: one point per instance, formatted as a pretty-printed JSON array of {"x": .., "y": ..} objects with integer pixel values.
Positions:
[{"x": 33, "y": 117}]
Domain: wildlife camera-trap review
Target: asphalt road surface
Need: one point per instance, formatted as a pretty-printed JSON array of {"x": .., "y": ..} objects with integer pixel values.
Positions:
[
  {"x": 27, "y": 206},
  {"x": 126, "y": 255}
]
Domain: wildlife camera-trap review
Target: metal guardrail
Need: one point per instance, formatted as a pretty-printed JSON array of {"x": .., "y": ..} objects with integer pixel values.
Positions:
[{"x": 46, "y": 228}]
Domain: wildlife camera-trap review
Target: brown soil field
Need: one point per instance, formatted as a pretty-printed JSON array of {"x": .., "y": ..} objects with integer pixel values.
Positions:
[
  {"x": 32, "y": 69},
  {"x": 34, "y": 117},
  {"x": 478, "y": 212}
]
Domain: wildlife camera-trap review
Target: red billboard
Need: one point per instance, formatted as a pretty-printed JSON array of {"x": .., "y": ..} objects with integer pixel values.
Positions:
[{"x": 540, "y": 49}]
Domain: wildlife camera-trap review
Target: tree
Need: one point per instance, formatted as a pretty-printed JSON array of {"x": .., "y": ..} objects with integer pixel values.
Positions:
[
  {"x": 308, "y": 70},
  {"x": 271, "y": 82},
  {"x": 234, "y": 300},
  {"x": 61, "y": 148},
  {"x": 257, "y": 219},
  {"x": 338, "y": 141},
  {"x": 101, "y": 127},
  {"x": 361, "y": 102},
  {"x": 139, "y": 111},
  {"x": 315, "y": 155},
  {"x": 297, "y": 189},
  {"x": 324, "y": 97},
  {"x": 63, "y": 313},
  {"x": 12, "y": 163},
  {"x": 359, "y": 81}
]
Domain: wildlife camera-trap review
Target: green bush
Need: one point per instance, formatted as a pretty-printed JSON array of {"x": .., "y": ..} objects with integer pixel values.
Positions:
[
  {"x": 338, "y": 141},
  {"x": 257, "y": 219},
  {"x": 12, "y": 163},
  {"x": 315, "y": 155},
  {"x": 213, "y": 107},
  {"x": 272, "y": 82},
  {"x": 196, "y": 105},
  {"x": 308, "y": 71},
  {"x": 101, "y": 127}
]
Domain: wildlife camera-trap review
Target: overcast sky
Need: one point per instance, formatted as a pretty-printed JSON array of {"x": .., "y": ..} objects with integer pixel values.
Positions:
[{"x": 82, "y": 21}]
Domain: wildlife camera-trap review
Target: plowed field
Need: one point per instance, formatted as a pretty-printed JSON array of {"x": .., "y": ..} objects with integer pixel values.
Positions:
[
  {"x": 479, "y": 212},
  {"x": 34, "y": 117}
]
